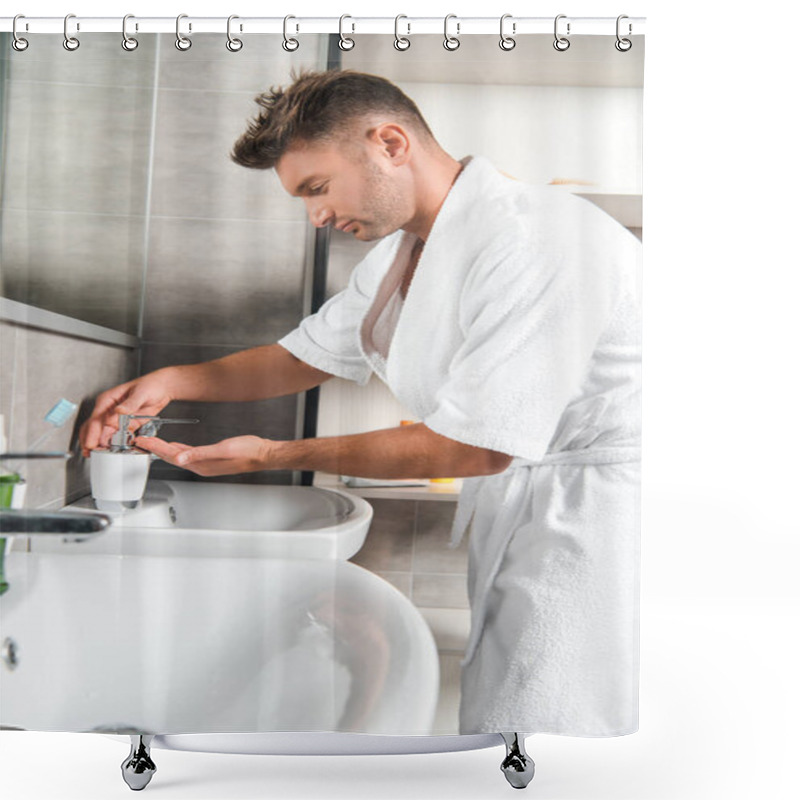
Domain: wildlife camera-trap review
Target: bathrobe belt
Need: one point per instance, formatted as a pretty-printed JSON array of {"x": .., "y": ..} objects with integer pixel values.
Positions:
[
  {"x": 506, "y": 519},
  {"x": 518, "y": 468}
]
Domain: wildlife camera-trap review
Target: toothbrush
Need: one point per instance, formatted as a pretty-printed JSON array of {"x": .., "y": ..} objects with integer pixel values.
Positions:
[{"x": 57, "y": 416}]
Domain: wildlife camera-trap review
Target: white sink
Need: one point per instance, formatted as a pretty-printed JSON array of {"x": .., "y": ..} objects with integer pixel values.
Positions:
[
  {"x": 204, "y": 519},
  {"x": 113, "y": 643}
]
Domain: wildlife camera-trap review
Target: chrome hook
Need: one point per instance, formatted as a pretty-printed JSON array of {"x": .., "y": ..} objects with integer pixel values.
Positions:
[
  {"x": 400, "y": 42},
  {"x": 561, "y": 43},
  {"x": 128, "y": 42},
  {"x": 182, "y": 42},
  {"x": 71, "y": 43},
  {"x": 234, "y": 45},
  {"x": 623, "y": 45},
  {"x": 18, "y": 43},
  {"x": 507, "y": 42},
  {"x": 451, "y": 42},
  {"x": 344, "y": 42},
  {"x": 290, "y": 44}
]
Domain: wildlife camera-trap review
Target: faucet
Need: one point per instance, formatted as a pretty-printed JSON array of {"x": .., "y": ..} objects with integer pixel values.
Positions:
[{"x": 72, "y": 526}]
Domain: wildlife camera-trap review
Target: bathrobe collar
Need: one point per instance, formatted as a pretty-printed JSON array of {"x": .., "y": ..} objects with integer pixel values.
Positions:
[{"x": 470, "y": 185}]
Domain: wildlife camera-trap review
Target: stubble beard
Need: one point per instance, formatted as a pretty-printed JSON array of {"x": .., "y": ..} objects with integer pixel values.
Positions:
[{"x": 383, "y": 203}]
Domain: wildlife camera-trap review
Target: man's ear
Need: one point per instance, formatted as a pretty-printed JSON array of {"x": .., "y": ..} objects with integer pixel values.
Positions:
[{"x": 393, "y": 141}]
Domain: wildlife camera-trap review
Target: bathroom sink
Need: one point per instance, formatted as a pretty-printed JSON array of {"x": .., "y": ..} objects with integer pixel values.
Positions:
[
  {"x": 113, "y": 644},
  {"x": 208, "y": 519}
]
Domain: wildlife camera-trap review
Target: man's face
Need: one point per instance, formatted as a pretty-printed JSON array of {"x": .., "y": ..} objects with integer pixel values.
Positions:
[{"x": 355, "y": 189}]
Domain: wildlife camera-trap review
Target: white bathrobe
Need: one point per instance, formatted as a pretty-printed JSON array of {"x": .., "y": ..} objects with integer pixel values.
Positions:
[{"x": 520, "y": 333}]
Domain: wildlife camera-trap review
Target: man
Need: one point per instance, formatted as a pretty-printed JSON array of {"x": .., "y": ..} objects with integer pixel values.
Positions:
[{"x": 503, "y": 316}]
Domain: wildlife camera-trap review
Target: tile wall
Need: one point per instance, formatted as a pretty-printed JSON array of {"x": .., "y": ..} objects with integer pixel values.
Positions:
[
  {"x": 122, "y": 207},
  {"x": 38, "y": 368},
  {"x": 74, "y": 188},
  {"x": 227, "y": 245}
]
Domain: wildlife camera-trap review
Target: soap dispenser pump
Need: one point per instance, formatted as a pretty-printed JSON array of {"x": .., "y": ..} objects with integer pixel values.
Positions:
[{"x": 118, "y": 474}]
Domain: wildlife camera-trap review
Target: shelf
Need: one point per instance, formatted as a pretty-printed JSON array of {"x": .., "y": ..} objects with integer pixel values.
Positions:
[
  {"x": 33, "y": 317},
  {"x": 625, "y": 208},
  {"x": 448, "y": 492}
]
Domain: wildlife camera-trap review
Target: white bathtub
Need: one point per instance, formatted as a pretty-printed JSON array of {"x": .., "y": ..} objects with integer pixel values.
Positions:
[
  {"x": 176, "y": 646},
  {"x": 182, "y": 624}
]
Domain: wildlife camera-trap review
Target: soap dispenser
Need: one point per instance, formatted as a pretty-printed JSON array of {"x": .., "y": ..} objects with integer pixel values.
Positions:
[{"x": 118, "y": 474}]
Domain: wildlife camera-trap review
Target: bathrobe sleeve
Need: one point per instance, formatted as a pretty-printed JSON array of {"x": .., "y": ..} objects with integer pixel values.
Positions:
[
  {"x": 330, "y": 339},
  {"x": 533, "y": 307}
]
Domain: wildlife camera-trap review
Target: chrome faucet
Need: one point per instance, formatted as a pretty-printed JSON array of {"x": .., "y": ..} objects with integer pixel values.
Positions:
[{"x": 72, "y": 526}]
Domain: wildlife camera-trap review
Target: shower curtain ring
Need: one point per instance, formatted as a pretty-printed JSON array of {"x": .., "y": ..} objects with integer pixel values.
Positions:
[
  {"x": 70, "y": 42},
  {"x": 561, "y": 43},
  {"x": 346, "y": 43},
  {"x": 233, "y": 44},
  {"x": 507, "y": 42},
  {"x": 18, "y": 43},
  {"x": 400, "y": 42},
  {"x": 129, "y": 43},
  {"x": 182, "y": 42},
  {"x": 451, "y": 42},
  {"x": 623, "y": 45},
  {"x": 289, "y": 44}
]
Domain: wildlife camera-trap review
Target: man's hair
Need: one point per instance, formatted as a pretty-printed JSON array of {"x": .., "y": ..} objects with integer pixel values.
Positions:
[{"x": 319, "y": 107}]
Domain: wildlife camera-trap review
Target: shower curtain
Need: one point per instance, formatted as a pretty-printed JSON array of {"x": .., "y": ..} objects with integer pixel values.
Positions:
[{"x": 447, "y": 257}]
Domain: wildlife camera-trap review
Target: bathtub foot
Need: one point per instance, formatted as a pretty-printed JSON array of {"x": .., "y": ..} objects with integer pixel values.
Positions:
[
  {"x": 518, "y": 766},
  {"x": 138, "y": 768}
]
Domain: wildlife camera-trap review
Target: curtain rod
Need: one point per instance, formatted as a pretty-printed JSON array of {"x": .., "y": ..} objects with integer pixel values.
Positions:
[{"x": 298, "y": 25}]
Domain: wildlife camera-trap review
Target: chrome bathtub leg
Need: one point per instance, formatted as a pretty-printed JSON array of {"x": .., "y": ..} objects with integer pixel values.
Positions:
[
  {"x": 518, "y": 766},
  {"x": 138, "y": 768}
]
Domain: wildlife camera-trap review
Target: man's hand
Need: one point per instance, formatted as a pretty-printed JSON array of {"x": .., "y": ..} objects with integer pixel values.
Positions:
[
  {"x": 411, "y": 451},
  {"x": 228, "y": 457},
  {"x": 255, "y": 374},
  {"x": 146, "y": 395}
]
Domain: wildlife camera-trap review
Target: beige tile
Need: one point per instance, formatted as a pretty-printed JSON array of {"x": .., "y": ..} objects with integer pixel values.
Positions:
[
  {"x": 446, "y": 719},
  {"x": 449, "y": 626},
  {"x": 400, "y": 580},
  {"x": 431, "y": 540},
  {"x": 389, "y": 543},
  {"x": 440, "y": 591}
]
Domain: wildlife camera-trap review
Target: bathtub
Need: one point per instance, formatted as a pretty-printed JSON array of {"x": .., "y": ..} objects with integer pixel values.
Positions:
[
  {"x": 184, "y": 652},
  {"x": 196, "y": 645}
]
